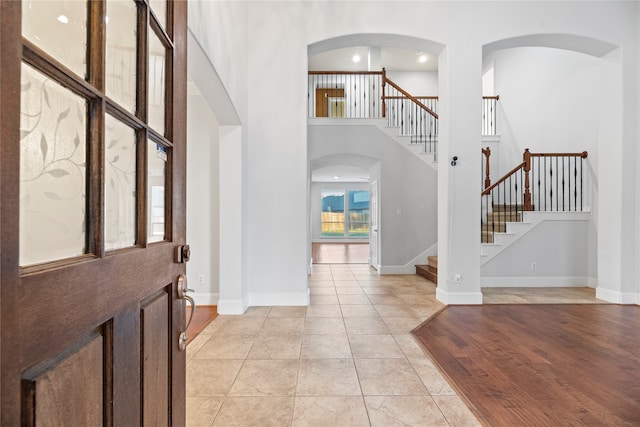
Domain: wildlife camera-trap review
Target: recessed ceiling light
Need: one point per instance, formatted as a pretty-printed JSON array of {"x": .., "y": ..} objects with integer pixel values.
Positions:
[
  {"x": 63, "y": 18},
  {"x": 336, "y": 177},
  {"x": 422, "y": 58},
  {"x": 356, "y": 58}
]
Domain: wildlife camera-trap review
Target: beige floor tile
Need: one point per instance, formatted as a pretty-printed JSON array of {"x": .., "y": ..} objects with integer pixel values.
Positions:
[
  {"x": 456, "y": 412},
  {"x": 226, "y": 347},
  {"x": 324, "y": 311},
  {"x": 431, "y": 376},
  {"x": 276, "y": 347},
  {"x": 385, "y": 299},
  {"x": 350, "y": 291},
  {"x": 288, "y": 311},
  {"x": 345, "y": 282},
  {"x": 241, "y": 325},
  {"x": 409, "y": 345},
  {"x": 389, "y": 310},
  {"x": 375, "y": 347},
  {"x": 201, "y": 411},
  {"x": 401, "y": 325},
  {"x": 353, "y": 299},
  {"x": 257, "y": 312},
  {"x": 324, "y": 299},
  {"x": 211, "y": 377},
  {"x": 282, "y": 326},
  {"x": 266, "y": 378},
  {"x": 214, "y": 326},
  {"x": 327, "y": 377},
  {"x": 195, "y": 345},
  {"x": 329, "y": 290},
  {"x": 321, "y": 283},
  {"x": 325, "y": 347},
  {"x": 342, "y": 411},
  {"x": 425, "y": 311},
  {"x": 377, "y": 290},
  {"x": 359, "y": 310},
  {"x": 324, "y": 325},
  {"x": 263, "y": 411},
  {"x": 401, "y": 411},
  {"x": 365, "y": 325},
  {"x": 381, "y": 377}
]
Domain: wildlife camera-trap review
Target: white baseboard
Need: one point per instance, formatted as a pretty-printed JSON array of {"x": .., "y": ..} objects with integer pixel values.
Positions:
[
  {"x": 206, "y": 298},
  {"x": 535, "y": 282},
  {"x": 617, "y": 297},
  {"x": 231, "y": 307},
  {"x": 410, "y": 267},
  {"x": 271, "y": 299},
  {"x": 458, "y": 298}
]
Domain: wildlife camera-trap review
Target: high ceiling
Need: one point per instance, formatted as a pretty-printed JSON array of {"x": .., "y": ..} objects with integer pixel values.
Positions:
[{"x": 393, "y": 59}]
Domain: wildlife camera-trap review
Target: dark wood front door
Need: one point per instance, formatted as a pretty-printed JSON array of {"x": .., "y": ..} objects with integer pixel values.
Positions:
[{"x": 92, "y": 196}]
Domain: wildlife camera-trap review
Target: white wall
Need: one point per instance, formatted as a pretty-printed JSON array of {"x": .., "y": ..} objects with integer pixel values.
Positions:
[
  {"x": 260, "y": 50},
  {"x": 417, "y": 83},
  {"x": 316, "y": 204},
  {"x": 407, "y": 190},
  {"x": 202, "y": 199},
  {"x": 548, "y": 103},
  {"x": 558, "y": 248}
]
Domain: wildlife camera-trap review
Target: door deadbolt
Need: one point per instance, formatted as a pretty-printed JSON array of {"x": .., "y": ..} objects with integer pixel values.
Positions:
[{"x": 184, "y": 253}]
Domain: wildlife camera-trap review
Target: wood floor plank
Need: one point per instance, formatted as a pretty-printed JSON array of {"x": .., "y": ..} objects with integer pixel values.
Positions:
[{"x": 538, "y": 365}]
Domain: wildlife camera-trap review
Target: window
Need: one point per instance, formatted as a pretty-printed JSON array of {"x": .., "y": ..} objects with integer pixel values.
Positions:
[{"x": 342, "y": 218}]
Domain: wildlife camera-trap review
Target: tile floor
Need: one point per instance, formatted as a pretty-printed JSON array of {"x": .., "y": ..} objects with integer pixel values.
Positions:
[{"x": 346, "y": 360}]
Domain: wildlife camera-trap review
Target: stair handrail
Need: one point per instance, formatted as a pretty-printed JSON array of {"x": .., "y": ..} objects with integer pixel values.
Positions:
[
  {"x": 526, "y": 166},
  {"x": 386, "y": 80}
]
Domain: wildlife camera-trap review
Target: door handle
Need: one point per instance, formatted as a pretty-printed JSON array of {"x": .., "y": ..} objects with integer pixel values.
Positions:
[{"x": 182, "y": 294}]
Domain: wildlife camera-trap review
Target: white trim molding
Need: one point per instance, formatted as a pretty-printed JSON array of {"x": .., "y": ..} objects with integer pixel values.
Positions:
[
  {"x": 202, "y": 298},
  {"x": 536, "y": 282},
  {"x": 617, "y": 297},
  {"x": 272, "y": 299},
  {"x": 231, "y": 307},
  {"x": 459, "y": 298},
  {"x": 410, "y": 267}
]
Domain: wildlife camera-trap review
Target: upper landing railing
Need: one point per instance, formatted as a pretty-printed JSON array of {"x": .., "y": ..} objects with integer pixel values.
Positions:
[{"x": 371, "y": 94}]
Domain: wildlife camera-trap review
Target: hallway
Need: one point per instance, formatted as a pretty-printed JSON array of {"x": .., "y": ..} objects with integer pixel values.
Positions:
[{"x": 346, "y": 360}]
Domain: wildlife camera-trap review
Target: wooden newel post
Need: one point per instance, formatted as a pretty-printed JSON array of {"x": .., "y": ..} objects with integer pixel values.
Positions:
[
  {"x": 526, "y": 158},
  {"x": 487, "y": 179},
  {"x": 384, "y": 83}
]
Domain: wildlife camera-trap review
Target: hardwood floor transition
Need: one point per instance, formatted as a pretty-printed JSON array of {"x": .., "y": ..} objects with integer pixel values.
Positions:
[
  {"x": 340, "y": 253},
  {"x": 201, "y": 318},
  {"x": 541, "y": 365}
]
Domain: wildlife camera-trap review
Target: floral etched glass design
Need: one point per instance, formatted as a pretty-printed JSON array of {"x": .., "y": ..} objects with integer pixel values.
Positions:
[
  {"x": 120, "y": 185},
  {"x": 157, "y": 157},
  {"x": 159, "y": 8},
  {"x": 52, "y": 170},
  {"x": 59, "y": 27},
  {"x": 121, "y": 53},
  {"x": 157, "y": 80}
]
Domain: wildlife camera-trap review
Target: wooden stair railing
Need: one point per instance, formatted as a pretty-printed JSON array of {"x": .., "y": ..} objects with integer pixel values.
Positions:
[{"x": 551, "y": 175}]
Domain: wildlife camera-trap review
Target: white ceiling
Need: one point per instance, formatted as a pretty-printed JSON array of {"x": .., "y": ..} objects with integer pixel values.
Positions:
[
  {"x": 392, "y": 58},
  {"x": 340, "y": 173}
]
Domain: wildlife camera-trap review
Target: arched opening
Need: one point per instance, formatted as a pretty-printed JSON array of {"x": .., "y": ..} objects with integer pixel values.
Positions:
[{"x": 558, "y": 95}]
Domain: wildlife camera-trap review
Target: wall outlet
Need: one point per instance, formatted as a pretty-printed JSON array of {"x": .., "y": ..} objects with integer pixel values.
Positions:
[
  {"x": 201, "y": 278},
  {"x": 457, "y": 278},
  {"x": 534, "y": 265}
]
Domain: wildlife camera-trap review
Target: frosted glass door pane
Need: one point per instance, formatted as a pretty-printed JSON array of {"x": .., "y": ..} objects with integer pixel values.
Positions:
[
  {"x": 121, "y": 53},
  {"x": 159, "y": 8},
  {"x": 120, "y": 185},
  {"x": 156, "y": 163},
  {"x": 59, "y": 28},
  {"x": 52, "y": 170},
  {"x": 157, "y": 63}
]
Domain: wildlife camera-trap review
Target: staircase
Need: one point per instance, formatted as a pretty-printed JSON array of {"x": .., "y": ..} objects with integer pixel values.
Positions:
[
  {"x": 496, "y": 221},
  {"x": 430, "y": 270}
]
